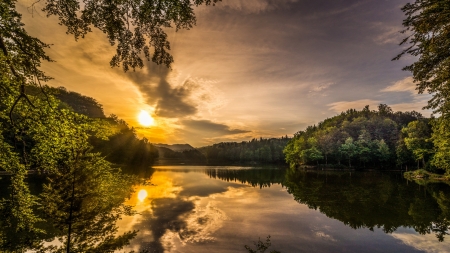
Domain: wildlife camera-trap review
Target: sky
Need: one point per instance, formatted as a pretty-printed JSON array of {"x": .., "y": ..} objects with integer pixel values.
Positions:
[{"x": 248, "y": 69}]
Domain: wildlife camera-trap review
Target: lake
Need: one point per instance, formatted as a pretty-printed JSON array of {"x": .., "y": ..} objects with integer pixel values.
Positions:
[{"x": 221, "y": 209}]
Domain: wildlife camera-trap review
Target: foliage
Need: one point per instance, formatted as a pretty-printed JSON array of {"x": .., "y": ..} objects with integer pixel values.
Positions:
[
  {"x": 441, "y": 141},
  {"x": 135, "y": 26},
  {"x": 41, "y": 133},
  {"x": 364, "y": 138},
  {"x": 427, "y": 27},
  {"x": 417, "y": 135}
]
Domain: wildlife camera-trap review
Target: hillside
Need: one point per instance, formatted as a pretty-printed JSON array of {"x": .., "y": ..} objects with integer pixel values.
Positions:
[
  {"x": 175, "y": 147},
  {"x": 365, "y": 139},
  {"x": 122, "y": 147}
]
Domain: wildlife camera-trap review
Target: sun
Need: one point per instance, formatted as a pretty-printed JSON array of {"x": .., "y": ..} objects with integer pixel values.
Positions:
[{"x": 145, "y": 119}]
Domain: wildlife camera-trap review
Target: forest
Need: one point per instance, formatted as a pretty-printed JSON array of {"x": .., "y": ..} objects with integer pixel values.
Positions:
[{"x": 371, "y": 139}]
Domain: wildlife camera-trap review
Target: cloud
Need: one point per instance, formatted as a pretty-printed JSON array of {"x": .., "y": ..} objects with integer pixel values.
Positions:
[
  {"x": 388, "y": 34},
  {"x": 207, "y": 126},
  {"x": 406, "y": 84},
  {"x": 319, "y": 89},
  {"x": 169, "y": 102},
  {"x": 357, "y": 104},
  {"x": 168, "y": 215},
  {"x": 253, "y": 6},
  {"x": 427, "y": 243}
]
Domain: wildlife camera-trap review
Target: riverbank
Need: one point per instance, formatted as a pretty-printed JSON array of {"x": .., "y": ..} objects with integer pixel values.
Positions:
[{"x": 422, "y": 176}]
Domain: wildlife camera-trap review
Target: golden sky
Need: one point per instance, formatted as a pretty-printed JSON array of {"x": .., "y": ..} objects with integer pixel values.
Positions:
[{"x": 249, "y": 69}]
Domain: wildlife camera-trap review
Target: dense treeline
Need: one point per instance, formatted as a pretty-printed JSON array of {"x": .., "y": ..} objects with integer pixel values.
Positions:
[
  {"x": 366, "y": 139},
  {"x": 246, "y": 152}
]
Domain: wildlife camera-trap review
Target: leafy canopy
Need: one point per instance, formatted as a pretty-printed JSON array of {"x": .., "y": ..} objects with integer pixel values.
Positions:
[
  {"x": 135, "y": 26},
  {"x": 427, "y": 24}
]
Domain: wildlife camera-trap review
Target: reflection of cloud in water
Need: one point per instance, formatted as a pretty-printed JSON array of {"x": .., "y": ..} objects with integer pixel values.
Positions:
[
  {"x": 324, "y": 236},
  {"x": 241, "y": 194},
  {"x": 172, "y": 215},
  {"x": 320, "y": 232},
  {"x": 427, "y": 243},
  {"x": 174, "y": 220},
  {"x": 202, "y": 223}
]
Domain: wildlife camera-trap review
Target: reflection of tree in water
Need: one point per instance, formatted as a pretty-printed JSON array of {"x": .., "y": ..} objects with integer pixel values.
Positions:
[
  {"x": 255, "y": 177},
  {"x": 359, "y": 200},
  {"x": 369, "y": 200},
  {"x": 78, "y": 209}
]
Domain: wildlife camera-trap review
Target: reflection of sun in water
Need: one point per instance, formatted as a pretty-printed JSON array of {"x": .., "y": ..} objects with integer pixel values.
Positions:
[
  {"x": 142, "y": 195},
  {"x": 145, "y": 119}
]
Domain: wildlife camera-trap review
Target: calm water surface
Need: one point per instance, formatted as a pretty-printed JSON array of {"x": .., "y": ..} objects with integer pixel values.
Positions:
[{"x": 220, "y": 209}]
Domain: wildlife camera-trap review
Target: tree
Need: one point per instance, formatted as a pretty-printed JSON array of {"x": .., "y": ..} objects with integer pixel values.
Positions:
[
  {"x": 364, "y": 145},
  {"x": 349, "y": 149},
  {"x": 37, "y": 132},
  {"x": 440, "y": 138},
  {"x": 135, "y": 26},
  {"x": 417, "y": 135},
  {"x": 427, "y": 26},
  {"x": 383, "y": 152}
]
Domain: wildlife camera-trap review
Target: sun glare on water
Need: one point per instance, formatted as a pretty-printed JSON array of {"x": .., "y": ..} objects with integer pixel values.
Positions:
[
  {"x": 142, "y": 194},
  {"x": 145, "y": 119}
]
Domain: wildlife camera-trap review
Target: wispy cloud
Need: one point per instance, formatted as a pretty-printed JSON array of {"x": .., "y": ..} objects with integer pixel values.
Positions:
[
  {"x": 406, "y": 84},
  {"x": 253, "y": 6},
  {"x": 387, "y": 34},
  {"x": 319, "y": 89}
]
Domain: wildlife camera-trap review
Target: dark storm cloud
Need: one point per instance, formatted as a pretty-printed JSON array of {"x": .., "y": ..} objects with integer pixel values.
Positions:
[
  {"x": 170, "y": 102},
  {"x": 210, "y": 127}
]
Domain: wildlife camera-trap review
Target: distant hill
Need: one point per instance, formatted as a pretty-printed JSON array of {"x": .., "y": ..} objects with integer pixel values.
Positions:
[
  {"x": 187, "y": 156},
  {"x": 77, "y": 102},
  {"x": 175, "y": 147}
]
